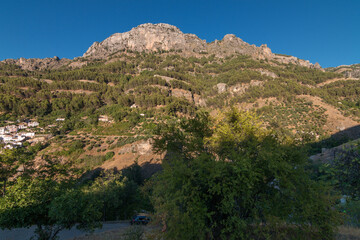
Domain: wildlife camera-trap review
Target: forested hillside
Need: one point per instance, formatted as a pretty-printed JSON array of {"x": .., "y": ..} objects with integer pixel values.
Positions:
[{"x": 106, "y": 125}]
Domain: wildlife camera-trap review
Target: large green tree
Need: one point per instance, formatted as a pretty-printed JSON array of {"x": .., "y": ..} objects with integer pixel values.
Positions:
[
  {"x": 50, "y": 205},
  {"x": 229, "y": 178}
]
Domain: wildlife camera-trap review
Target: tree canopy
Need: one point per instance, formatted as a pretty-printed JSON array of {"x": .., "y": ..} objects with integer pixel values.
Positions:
[{"x": 229, "y": 178}]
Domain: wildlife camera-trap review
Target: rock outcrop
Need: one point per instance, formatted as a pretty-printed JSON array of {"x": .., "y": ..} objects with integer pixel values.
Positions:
[
  {"x": 38, "y": 64},
  {"x": 349, "y": 71},
  {"x": 160, "y": 37},
  {"x": 164, "y": 37},
  {"x": 147, "y": 37}
]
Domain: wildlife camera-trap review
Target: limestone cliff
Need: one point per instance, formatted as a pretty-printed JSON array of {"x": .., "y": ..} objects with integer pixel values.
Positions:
[
  {"x": 164, "y": 37},
  {"x": 38, "y": 64}
]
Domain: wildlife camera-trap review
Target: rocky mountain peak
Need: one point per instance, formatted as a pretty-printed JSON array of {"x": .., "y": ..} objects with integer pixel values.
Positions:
[
  {"x": 158, "y": 27},
  {"x": 165, "y": 37},
  {"x": 151, "y": 37},
  {"x": 147, "y": 37}
]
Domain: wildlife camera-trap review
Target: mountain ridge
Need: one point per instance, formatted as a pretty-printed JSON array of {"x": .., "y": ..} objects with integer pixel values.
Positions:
[
  {"x": 150, "y": 37},
  {"x": 165, "y": 37}
]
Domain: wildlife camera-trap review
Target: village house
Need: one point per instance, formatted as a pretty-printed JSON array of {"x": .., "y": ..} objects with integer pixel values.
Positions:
[
  {"x": 27, "y": 134},
  {"x": 12, "y": 128},
  {"x": 104, "y": 118},
  {"x": 33, "y": 124},
  {"x": 22, "y": 126},
  {"x": 6, "y": 138},
  {"x": 2, "y": 130},
  {"x": 60, "y": 119},
  {"x": 17, "y": 138}
]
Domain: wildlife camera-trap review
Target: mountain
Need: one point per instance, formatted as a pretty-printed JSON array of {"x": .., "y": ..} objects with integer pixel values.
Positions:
[
  {"x": 34, "y": 64},
  {"x": 349, "y": 71},
  {"x": 164, "y": 37},
  {"x": 110, "y": 100}
]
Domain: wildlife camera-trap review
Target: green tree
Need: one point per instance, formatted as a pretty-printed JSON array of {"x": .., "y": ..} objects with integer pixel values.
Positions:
[
  {"x": 231, "y": 179},
  {"x": 49, "y": 205},
  {"x": 16, "y": 162}
]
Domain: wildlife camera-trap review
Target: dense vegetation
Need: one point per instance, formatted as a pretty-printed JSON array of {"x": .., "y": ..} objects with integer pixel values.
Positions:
[
  {"x": 231, "y": 179},
  {"x": 233, "y": 176}
]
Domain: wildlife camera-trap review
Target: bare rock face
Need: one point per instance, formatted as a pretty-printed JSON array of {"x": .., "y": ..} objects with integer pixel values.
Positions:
[
  {"x": 221, "y": 87},
  {"x": 241, "y": 88},
  {"x": 267, "y": 73},
  {"x": 147, "y": 37},
  {"x": 355, "y": 73},
  {"x": 349, "y": 71},
  {"x": 180, "y": 93},
  {"x": 141, "y": 147},
  {"x": 231, "y": 44},
  {"x": 161, "y": 36},
  {"x": 199, "y": 101},
  {"x": 296, "y": 61},
  {"x": 164, "y": 37},
  {"x": 38, "y": 64}
]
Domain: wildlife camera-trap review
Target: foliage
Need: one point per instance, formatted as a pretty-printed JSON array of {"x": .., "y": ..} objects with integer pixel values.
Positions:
[
  {"x": 134, "y": 233},
  {"x": 44, "y": 203},
  {"x": 352, "y": 210},
  {"x": 52, "y": 200},
  {"x": 343, "y": 171},
  {"x": 229, "y": 179},
  {"x": 120, "y": 197}
]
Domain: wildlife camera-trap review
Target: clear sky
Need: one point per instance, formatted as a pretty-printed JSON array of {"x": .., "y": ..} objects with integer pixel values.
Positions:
[{"x": 324, "y": 31}]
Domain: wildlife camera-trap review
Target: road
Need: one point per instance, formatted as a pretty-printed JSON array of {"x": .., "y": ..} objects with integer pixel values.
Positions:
[{"x": 26, "y": 233}]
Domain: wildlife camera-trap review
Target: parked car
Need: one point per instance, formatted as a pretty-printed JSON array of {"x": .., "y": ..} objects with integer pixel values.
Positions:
[{"x": 140, "y": 219}]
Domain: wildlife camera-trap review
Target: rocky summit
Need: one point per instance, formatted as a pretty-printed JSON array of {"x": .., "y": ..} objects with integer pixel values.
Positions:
[
  {"x": 161, "y": 37},
  {"x": 164, "y": 37}
]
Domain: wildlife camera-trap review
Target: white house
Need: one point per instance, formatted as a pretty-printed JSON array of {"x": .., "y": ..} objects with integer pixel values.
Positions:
[
  {"x": 27, "y": 134},
  {"x": 104, "y": 118},
  {"x": 7, "y": 138},
  {"x": 12, "y": 128},
  {"x": 22, "y": 126},
  {"x": 2, "y": 130},
  {"x": 33, "y": 124},
  {"x": 18, "y": 138}
]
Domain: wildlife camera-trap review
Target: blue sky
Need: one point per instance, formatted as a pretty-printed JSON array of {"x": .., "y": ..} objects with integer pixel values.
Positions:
[{"x": 324, "y": 31}]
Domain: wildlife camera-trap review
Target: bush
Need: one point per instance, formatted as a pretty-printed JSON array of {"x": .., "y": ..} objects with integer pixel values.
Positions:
[
  {"x": 109, "y": 155},
  {"x": 134, "y": 233}
]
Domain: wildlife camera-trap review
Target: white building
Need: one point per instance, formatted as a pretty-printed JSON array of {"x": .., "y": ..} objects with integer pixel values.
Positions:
[
  {"x": 27, "y": 134},
  {"x": 33, "y": 124},
  {"x": 22, "y": 126},
  {"x": 7, "y": 138},
  {"x": 104, "y": 118},
  {"x": 17, "y": 138},
  {"x": 12, "y": 128},
  {"x": 60, "y": 119},
  {"x": 2, "y": 130}
]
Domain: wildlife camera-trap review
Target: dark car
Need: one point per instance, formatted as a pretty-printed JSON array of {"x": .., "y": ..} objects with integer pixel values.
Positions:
[{"x": 139, "y": 219}]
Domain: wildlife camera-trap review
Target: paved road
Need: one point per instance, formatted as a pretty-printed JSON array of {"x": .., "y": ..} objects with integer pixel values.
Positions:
[{"x": 26, "y": 233}]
